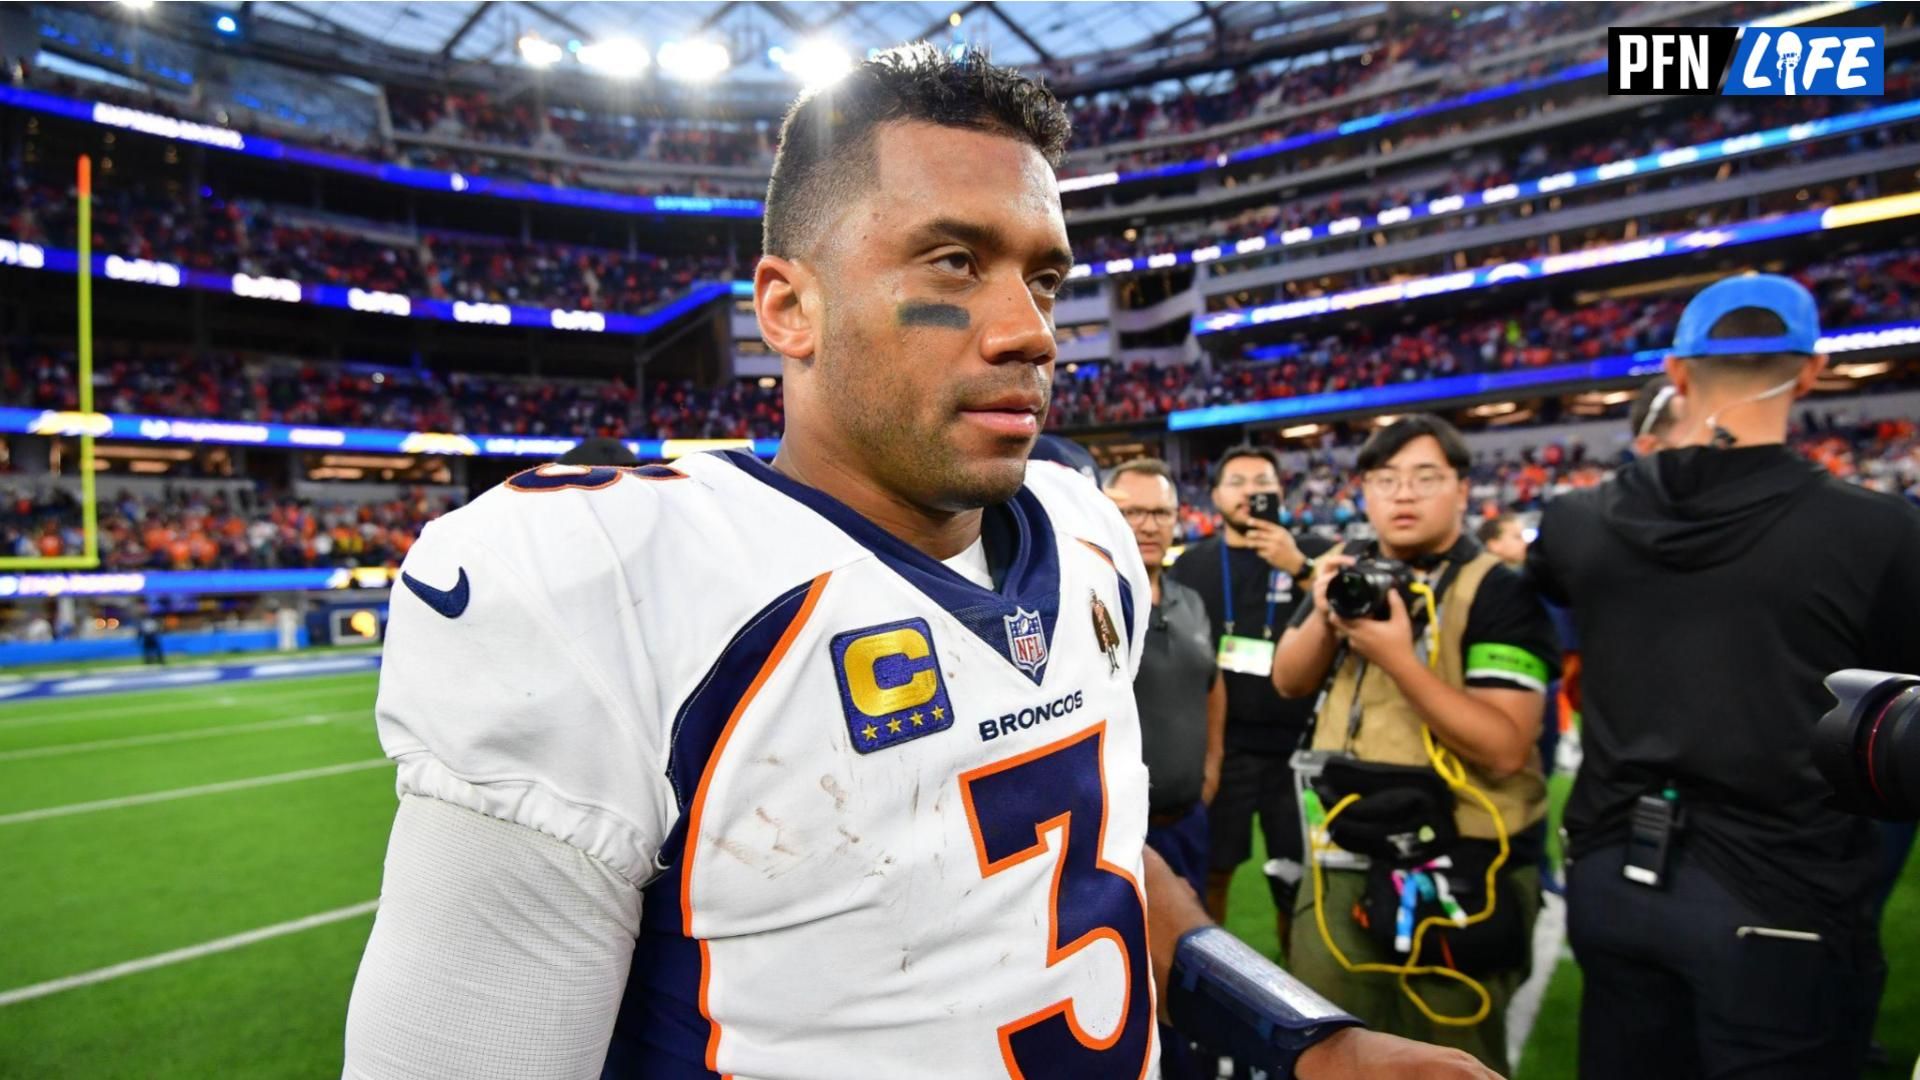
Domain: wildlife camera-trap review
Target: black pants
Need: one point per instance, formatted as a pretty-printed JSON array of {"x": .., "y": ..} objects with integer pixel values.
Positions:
[
  {"x": 1674, "y": 989},
  {"x": 1261, "y": 784}
]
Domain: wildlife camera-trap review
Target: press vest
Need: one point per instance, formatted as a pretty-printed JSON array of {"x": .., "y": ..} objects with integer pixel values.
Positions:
[{"x": 1390, "y": 726}]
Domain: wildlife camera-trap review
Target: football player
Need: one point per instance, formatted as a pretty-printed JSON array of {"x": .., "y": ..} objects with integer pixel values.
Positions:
[{"x": 823, "y": 768}]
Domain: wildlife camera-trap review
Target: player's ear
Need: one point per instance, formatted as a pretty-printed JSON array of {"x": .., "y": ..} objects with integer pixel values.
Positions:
[
  {"x": 787, "y": 305},
  {"x": 1680, "y": 375}
]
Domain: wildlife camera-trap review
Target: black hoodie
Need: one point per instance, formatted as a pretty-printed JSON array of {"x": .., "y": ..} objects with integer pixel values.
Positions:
[{"x": 1713, "y": 591}]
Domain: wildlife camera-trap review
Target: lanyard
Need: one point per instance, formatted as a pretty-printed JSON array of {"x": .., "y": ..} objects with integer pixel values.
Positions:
[{"x": 1226, "y": 591}]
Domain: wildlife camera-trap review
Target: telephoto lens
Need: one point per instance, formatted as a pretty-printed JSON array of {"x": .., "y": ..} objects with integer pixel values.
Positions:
[
  {"x": 1360, "y": 591},
  {"x": 1868, "y": 745}
]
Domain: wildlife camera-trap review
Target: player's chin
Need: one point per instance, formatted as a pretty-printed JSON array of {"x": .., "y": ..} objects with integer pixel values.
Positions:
[{"x": 978, "y": 481}]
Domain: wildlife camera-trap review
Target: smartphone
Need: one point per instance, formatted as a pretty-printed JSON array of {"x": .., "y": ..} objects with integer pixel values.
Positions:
[{"x": 1264, "y": 505}]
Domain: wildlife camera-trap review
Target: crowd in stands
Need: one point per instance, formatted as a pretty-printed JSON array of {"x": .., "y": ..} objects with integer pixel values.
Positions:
[
  {"x": 1323, "y": 492},
  {"x": 737, "y": 410},
  {"x": 1419, "y": 44},
  {"x": 193, "y": 528},
  {"x": 198, "y": 528},
  {"x": 1855, "y": 291},
  {"x": 229, "y": 386},
  {"x": 1409, "y": 46},
  {"x": 1716, "y": 118},
  {"x": 1255, "y": 93},
  {"x": 242, "y": 237},
  {"x": 477, "y": 117}
]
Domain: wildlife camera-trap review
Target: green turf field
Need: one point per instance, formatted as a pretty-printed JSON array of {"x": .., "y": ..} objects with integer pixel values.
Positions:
[{"x": 144, "y": 826}]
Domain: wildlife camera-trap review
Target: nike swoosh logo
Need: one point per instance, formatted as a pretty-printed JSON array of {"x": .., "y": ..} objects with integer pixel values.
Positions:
[{"x": 448, "y": 602}]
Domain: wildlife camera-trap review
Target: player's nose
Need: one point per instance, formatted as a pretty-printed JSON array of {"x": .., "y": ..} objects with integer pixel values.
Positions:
[{"x": 1017, "y": 329}]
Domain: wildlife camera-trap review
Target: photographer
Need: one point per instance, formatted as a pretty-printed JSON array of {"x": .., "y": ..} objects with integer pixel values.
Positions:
[
  {"x": 1720, "y": 910},
  {"x": 1475, "y": 677}
]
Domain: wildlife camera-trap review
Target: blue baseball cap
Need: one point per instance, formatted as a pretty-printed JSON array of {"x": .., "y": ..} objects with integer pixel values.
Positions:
[{"x": 1784, "y": 297}]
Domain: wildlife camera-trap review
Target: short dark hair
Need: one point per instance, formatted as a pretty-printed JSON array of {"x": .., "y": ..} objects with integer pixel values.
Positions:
[
  {"x": 1747, "y": 322},
  {"x": 1645, "y": 404},
  {"x": 1244, "y": 450},
  {"x": 1390, "y": 440},
  {"x": 1149, "y": 466},
  {"x": 599, "y": 450},
  {"x": 1489, "y": 529},
  {"x": 826, "y": 140}
]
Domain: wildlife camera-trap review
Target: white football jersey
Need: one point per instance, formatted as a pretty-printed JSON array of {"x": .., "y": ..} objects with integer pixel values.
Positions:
[{"x": 888, "y": 822}]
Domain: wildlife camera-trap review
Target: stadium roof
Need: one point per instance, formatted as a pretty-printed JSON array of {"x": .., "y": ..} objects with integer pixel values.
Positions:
[{"x": 1016, "y": 32}]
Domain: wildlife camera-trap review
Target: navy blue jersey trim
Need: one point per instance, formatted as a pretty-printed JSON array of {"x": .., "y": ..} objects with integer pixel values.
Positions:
[
  {"x": 659, "y": 1031},
  {"x": 1030, "y": 586}
]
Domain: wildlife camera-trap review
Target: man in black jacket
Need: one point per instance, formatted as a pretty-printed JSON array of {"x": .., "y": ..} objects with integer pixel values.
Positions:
[{"x": 1713, "y": 586}]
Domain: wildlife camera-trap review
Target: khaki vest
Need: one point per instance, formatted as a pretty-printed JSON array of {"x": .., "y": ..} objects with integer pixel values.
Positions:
[{"x": 1390, "y": 726}]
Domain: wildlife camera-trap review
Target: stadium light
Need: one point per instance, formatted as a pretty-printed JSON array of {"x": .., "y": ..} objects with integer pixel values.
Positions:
[
  {"x": 815, "y": 63},
  {"x": 620, "y": 58},
  {"x": 538, "y": 51},
  {"x": 137, "y": 5},
  {"x": 694, "y": 61},
  {"x": 226, "y": 25}
]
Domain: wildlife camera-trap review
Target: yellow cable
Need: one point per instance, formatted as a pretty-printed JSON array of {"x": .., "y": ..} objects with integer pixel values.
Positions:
[{"x": 1454, "y": 773}]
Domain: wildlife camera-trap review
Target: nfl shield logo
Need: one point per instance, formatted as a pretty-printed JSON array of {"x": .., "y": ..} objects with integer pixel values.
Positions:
[{"x": 1027, "y": 641}]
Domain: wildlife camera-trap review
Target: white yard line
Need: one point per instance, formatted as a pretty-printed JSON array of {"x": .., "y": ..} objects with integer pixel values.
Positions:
[
  {"x": 180, "y": 956},
  {"x": 190, "y": 792},
  {"x": 200, "y": 702},
  {"x": 1549, "y": 935},
  {"x": 177, "y": 736}
]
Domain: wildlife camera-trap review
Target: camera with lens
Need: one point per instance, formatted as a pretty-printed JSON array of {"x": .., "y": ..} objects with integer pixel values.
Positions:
[
  {"x": 1868, "y": 745},
  {"x": 1361, "y": 591}
]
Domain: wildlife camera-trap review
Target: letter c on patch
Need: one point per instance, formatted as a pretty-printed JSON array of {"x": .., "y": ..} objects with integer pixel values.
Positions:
[{"x": 863, "y": 659}]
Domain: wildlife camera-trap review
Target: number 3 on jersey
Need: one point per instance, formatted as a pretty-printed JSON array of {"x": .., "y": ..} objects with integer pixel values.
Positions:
[{"x": 1012, "y": 805}]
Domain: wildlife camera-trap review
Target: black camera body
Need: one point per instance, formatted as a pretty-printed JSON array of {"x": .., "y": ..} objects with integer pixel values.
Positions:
[
  {"x": 1868, "y": 745},
  {"x": 1361, "y": 591}
]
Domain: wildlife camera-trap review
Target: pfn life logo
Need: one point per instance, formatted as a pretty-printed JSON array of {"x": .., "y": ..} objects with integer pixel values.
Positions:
[{"x": 1751, "y": 62}]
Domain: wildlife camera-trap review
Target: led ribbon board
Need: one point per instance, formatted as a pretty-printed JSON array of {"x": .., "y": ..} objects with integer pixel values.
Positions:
[
  {"x": 1455, "y": 387},
  {"x": 174, "y": 429},
  {"x": 1558, "y": 183},
  {"x": 260, "y": 146}
]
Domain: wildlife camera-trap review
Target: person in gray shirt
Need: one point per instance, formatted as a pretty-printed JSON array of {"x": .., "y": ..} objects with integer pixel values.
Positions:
[{"x": 1183, "y": 702}]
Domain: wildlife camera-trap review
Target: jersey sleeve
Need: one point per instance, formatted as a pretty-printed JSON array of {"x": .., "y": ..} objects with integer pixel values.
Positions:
[
  {"x": 497, "y": 952},
  {"x": 517, "y": 683},
  {"x": 1509, "y": 642}
]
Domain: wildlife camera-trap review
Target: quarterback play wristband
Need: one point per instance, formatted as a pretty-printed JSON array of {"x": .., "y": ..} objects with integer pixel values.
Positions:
[{"x": 1233, "y": 1001}]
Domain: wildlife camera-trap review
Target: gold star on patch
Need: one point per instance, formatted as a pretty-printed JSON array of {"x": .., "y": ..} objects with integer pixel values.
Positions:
[
  {"x": 893, "y": 726},
  {"x": 939, "y": 713},
  {"x": 870, "y": 732},
  {"x": 917, "y": 722}
]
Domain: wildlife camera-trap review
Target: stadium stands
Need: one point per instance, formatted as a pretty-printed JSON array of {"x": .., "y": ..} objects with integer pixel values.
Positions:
[
  {"x": 244, "y": 237},
  {"x": 1858, "y": 291},
  {"x": 189, "y": 529}
]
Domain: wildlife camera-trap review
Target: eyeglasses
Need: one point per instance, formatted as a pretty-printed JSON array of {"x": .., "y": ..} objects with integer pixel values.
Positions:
[
  {"x": 1423, "y": 483},
  {"x": 1137, "y": 514}
]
